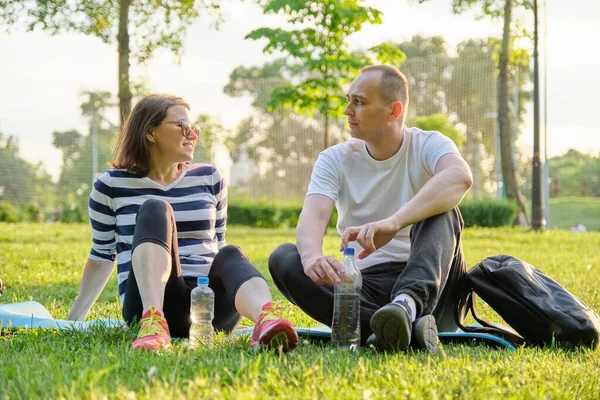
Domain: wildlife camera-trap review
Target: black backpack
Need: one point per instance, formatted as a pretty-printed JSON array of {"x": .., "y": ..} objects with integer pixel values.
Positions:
[{"x": 540, "y": 310}]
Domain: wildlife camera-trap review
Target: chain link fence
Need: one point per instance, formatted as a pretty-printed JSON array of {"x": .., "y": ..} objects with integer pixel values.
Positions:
[
  {"x": 273, "y": 153},
  {"x": 269, "y": 155}
]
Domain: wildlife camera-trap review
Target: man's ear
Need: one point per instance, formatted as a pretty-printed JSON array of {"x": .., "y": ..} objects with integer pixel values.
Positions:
[{"x": 396, "y": 110}]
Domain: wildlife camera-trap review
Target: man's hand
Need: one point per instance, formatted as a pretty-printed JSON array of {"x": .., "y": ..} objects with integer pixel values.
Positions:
[
  {"x": 371, "y": 236},
  {"x": 323, "y": 270}
]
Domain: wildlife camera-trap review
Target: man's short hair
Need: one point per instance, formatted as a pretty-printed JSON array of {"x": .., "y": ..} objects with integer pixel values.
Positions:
[{"x": 393, "y": 85}]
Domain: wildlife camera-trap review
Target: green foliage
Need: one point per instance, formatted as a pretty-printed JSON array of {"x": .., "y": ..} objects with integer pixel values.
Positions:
[
  {"x": 43, "y": 262},
  {"x": 487, "y": 213},
  {"x": 464, "y": 87},
  {"x": 267, "y": 214},
  {"x": 274, "y": 215},
  {"x": 154, "y": 24},
  {"x": 140, "y": 27},
  {"x": 258, "y": 215},
  {"x": 77, "y": 173},
  {"x": 283, "y": 143},
  {"x": 20, "y": 181},
  {"x": 575, "y": 174},
  {"x": 318, "y": 47},
  {"x": 489, "y": 8},
  {"x": 212, "y": 133},
  {"x": 72, "y": 213},
  {"x": 441, "y": 123},
  {"x": 32, "y": 213},
  {"x": 8, "y": 212}
]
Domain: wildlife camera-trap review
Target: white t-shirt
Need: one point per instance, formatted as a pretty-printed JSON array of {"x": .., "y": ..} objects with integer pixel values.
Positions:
[{"x": 366, "y": 190}]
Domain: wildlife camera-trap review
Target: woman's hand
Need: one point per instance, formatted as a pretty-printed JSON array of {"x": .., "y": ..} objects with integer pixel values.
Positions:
[{"x": 95, "y": 276}]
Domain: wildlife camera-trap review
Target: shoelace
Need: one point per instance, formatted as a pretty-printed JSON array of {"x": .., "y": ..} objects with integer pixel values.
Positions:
[
  {"x": 151, "y": 325},
  {"x": 269, "y": 314}
]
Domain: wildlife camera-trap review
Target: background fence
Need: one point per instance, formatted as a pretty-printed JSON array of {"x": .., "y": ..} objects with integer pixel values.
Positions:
[
  {"x": 269, "y": 155},
  {"x": 273, "y": 153}
]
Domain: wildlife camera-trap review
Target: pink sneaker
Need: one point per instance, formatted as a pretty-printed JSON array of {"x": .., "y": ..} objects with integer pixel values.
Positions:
[
  {"x": 273, "y": 332},
  {"x": 154, "y": 332}
]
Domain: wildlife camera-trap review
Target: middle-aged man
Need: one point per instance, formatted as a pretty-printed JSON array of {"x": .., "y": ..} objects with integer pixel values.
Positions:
[{"x": 396, "y": 190}]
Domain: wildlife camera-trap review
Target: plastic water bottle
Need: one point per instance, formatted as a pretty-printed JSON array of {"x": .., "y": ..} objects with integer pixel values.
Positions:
[
  {"x": 345, "y": 328},
  {"x": 202, "y": 313}
]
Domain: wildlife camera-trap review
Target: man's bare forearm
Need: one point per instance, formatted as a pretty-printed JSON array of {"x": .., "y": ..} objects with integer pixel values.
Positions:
[
  {"x": 309, "y": 239},
  {"x": 442, "y": 193},
  {"x": 312, "y": 226}
]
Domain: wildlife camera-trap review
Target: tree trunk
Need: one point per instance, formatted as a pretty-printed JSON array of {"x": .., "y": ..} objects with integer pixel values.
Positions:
[
  {"x": 506, "y": 147},
  {"x": 123, "y": 39},
  {"x": 326, "y": 138}
]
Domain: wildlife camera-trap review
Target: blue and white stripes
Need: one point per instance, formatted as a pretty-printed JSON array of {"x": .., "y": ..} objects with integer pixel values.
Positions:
[{"x": 198, "y": 198}]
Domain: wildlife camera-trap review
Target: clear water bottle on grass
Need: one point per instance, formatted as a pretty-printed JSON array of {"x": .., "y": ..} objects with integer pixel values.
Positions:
[
  {"x": 202, "y": 313},
  {"x": 345, "y": 328}
]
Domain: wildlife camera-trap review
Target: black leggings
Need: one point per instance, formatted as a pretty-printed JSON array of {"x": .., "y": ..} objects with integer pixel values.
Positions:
[{"x": 155, "y": 223}]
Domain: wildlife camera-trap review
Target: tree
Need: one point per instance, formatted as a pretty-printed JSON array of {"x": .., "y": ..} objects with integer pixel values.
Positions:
[
  {"x": 79, "y": 151},
  {"x": 426, "y": 69},
  {"x": 318, "y": 48},
  {"x": 509, "y": 170},
  {"x": 496, "y": 9},
  {"x": 20, "y": 181},
  {"x": 138, "y": 27},
  {"x": 575, "y": 174},
  {"x": 464, "y": 87},
  {"x": 212, "y": 133},
  {"x": 273, "y": 150}
]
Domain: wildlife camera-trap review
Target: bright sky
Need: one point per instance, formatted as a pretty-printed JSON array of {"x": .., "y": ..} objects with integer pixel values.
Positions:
[{"x": 41, "y": 77}]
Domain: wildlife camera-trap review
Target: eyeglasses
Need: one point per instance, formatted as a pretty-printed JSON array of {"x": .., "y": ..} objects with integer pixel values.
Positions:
[{"x": 186, "y": 127}]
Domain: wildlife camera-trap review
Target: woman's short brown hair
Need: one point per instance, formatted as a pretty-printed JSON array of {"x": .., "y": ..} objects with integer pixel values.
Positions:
[{"x": 133, "y": 151}]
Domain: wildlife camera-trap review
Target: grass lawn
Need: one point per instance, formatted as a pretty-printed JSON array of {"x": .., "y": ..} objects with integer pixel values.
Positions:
[
  {"x": 44, "y": 263},
  {"x": 564, "y": 211}
]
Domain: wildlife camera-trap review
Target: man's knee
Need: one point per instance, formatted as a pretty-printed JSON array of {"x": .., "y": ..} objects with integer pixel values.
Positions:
[
  {"x": 281, "y": 259},
  {"x": 452, "y": 219},
  {"x": 457, "y": 217}
]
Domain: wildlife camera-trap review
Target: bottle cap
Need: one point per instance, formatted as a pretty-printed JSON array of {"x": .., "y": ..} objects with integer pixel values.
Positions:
[
  {"x": 348, "y": 251},
  {"x": 202, "y": 280}
]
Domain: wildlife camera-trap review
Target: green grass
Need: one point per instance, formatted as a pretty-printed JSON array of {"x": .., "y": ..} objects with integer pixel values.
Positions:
[
  {"x": 44, "y": 263},
  {"x": 564, "y": 211}
]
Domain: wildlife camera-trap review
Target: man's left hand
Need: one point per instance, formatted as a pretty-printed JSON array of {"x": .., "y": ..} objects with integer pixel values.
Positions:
[{"x": 371, "y": 236}]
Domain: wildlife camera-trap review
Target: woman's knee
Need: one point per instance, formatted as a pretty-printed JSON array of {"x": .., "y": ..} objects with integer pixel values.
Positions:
[
  {"x": 231, "y": 251},
  {"x": 229, "y": 258},
  {"x": 154, "y": 208}
]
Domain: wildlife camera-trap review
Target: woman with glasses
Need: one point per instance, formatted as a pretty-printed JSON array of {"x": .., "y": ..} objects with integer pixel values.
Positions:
[{"x": 164, "y": 219}]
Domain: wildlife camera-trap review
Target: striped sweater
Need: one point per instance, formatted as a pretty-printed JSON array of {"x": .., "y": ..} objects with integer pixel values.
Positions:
[{"x": 198, "y": 198}]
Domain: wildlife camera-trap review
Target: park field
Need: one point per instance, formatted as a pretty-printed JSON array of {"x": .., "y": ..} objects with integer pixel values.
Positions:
[
  {"x": 565, "y": 211},
  {"x": 44, "y": 263}
]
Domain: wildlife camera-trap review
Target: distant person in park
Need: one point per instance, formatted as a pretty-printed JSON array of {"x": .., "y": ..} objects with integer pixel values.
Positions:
[
  {"x": 1, "y": 287},
  {"x": 164, "y": 220},
  {"x": 577, "y": 228},
  {"x": 396, "y": 190}
]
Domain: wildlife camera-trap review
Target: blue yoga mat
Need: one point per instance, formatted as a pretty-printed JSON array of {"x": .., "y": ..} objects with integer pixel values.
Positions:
[
  {"x": 31, "y": 314},
  {"x": 323, "y": 334}
]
